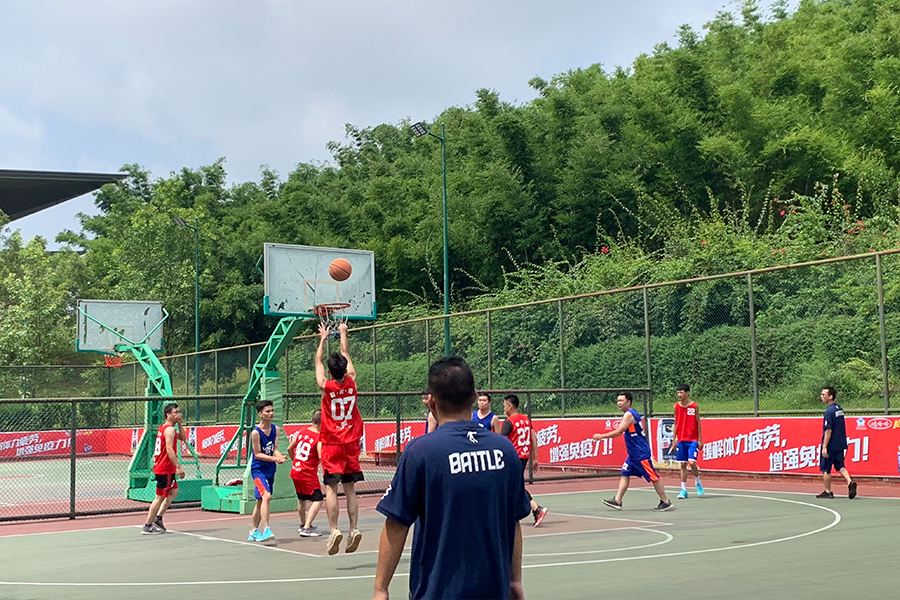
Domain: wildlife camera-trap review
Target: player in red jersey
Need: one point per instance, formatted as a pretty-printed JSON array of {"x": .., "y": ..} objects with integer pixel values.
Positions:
[
  {"x": 342, "y": 428},
  {"x": 517, "y": 427},
  {"x": 688, "y": 438},
  {"x": 304, "y": 450},
  {"x": 167, "y": 469}
]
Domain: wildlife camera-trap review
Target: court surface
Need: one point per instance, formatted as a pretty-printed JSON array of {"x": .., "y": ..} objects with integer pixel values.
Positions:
[{"x": 743, "y": 539}]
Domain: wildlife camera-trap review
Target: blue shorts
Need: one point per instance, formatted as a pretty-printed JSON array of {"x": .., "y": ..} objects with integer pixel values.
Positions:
[
  {"x": 643, "y": 468},
  {"x": 686, "y": 451},
  {"x": 835, "y": 459},
  {"x": 263, "y": 483}
]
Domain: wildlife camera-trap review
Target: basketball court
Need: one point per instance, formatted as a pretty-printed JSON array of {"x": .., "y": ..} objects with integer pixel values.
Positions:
[{"x": 743, "y": 539}]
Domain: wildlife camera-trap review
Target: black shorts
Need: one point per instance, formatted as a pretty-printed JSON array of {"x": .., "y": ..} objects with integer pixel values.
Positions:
[
  {"x": 316, "y": 496},
  {"x": 835, "y": 459},
  {"x": 524, "y": 465},
  {"x": 335, "y": 478}
]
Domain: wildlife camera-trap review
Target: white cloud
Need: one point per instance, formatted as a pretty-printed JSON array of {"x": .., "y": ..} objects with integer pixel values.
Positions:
[{"x": 169, "y": 84}]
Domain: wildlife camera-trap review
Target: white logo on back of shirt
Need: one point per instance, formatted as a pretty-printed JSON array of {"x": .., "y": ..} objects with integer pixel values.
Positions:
[
  {"x": 471, "y": 436},
  {"x": 478, "y": 460}
]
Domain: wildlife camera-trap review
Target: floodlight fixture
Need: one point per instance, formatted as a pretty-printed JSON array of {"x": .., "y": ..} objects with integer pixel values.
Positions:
[
  {"x": 419, "y": 129},
  {"x": 180, "y": 222}
]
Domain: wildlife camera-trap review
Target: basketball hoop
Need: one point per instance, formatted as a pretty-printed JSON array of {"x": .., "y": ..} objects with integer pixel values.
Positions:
[
  {"x": 113, "y": 361},
  {"x": 331, "y": 316}
]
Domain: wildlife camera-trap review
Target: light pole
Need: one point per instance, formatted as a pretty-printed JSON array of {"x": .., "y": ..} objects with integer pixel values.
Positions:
[
  {"x": 196, "y": 229},
  {"x": 419, "y": 130}
]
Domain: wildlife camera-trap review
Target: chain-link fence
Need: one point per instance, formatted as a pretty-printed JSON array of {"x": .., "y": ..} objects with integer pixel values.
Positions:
[
  {"x": 748, "y": 343},
  {"x": 69, "y": 458}
]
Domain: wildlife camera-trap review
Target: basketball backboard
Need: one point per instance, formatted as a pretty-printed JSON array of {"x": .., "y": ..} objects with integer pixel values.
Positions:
[
  {"x": 133, "y": 320},
  {"x": 297, "y": 279}
]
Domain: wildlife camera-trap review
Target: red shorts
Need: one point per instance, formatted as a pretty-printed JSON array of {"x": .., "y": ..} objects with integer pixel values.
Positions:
[
  {"x": 307, "y": 489},
  {"x": 165, "y": 484},
  {"x": 340, "y": 459}
]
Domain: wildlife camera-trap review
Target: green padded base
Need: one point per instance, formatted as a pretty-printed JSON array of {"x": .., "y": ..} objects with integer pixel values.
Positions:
[{"x": 189, "y": 490}]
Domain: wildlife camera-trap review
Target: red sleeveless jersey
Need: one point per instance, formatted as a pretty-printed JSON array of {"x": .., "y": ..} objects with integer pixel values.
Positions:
[
  {"x": 305, "y": 461},
  {"x": 521, "y": 434},
  {"x": 341, "y": 421},
  {"x": 686, "y": 429},
  {"x": 162, "y": 464}
]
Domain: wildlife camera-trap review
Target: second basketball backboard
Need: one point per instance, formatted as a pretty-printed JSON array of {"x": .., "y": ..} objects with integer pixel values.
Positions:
[
  {"x": 102, "y": 324},
  {"x": 297, "y": 279}
]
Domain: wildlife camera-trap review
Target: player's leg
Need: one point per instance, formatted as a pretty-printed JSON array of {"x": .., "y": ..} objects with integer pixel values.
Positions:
[
  {"x": 151, "y": 514},
  {"x": 332, "y": 510},
  {"x": 826, "y": 480},
  {"x": 839, "y": 466},
  {"x": 693, "y": 454},
  {"x": 314, "y": 507}
]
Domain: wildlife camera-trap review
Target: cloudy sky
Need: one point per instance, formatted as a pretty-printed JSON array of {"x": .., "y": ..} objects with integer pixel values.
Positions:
[{"x": 93, "y": 85}]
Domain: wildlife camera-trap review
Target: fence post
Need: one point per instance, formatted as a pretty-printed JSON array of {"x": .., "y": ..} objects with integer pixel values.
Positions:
[
  {"x": 648, "y": 410},
  {"x": 287, "y": 370},
  {"x": 427, "y": 346},
  {"x": 884, "y": 357},
  {"x": 752, "y": 308},
  {"x": 490, "y": 354},
  {"x": 530, "y": 419},
  {"x": 374, "y": 363},
  {"x": 72, "y": 447},
  {"x": 562, "y": 351}
]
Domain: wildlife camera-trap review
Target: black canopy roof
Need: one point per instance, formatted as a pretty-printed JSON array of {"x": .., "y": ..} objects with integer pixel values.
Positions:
[{"x": 26, "y": 192}]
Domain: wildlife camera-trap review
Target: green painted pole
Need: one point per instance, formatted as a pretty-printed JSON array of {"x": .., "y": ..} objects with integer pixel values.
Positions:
[{"x": 197, "y": 318}]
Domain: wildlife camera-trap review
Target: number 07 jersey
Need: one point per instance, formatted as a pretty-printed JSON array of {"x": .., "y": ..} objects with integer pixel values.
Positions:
[{"x": 341, "y": 421}]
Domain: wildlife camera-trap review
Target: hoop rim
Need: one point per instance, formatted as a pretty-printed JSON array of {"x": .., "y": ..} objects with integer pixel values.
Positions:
[{"x": 329, "y": 308}]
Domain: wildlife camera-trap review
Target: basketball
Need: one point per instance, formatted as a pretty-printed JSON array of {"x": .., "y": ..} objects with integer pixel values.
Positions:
[{"x": 340, "y": 269}]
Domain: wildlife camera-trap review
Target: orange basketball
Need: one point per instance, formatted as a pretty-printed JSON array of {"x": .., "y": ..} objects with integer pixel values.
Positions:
[{"x": 340, "y": 269}]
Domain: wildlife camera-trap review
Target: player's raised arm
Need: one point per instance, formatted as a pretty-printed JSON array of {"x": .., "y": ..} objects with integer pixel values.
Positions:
[
  {"x": 170, "y": 450},
  {"x": 627, "y": 420},
  {"x": 320, "y": 356},
  {"x": 342, "y": 328}
]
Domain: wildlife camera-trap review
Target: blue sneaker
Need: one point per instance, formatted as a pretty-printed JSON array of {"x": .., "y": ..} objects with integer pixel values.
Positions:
[
  {"x": 254, "y": 536},
  {"x": 682, "y": 495},
  {"x": 266, "y": 535},
  {"x": 699, "y": 489}
]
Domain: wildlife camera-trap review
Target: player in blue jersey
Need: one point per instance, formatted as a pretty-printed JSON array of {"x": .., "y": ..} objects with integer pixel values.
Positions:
[
  {"x": 265, "y": 458},
  {"x": 834, "y": 444},
  {"x": 442, "y": 480},
  {"x": 485, "y": 416},
  {"x": 638, "y": 463}
]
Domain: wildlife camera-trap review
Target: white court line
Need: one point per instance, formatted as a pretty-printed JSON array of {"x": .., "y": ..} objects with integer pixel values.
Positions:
[
  {"x": 248, "y": 543},
  {"x": 668, "y": 538},
  {"x": 608, "y": 518},
  {"x": 835, "y": 521}
]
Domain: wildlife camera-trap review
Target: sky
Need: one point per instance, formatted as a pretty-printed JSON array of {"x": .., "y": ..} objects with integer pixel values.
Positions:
[{"x": 93, "y": 85}]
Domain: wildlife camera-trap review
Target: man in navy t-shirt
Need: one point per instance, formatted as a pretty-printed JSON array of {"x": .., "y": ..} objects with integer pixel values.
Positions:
[
  {"x": 834, "y": 444},
  {"x": 443, "y": 480}
]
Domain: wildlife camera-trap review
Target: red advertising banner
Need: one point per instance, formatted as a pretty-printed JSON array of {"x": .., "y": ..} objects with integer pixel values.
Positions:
[
  {"x": 787, "y": 444},
  {"x": 51, "y": 443},
  {"x": 561, "y": 442}
]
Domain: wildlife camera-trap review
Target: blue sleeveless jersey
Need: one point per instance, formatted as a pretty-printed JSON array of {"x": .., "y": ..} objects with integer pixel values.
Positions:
[
  {"x": 485, "y": 422},
  {"x": 635, "y": 442},
  {"x": 267, "y": 445}
]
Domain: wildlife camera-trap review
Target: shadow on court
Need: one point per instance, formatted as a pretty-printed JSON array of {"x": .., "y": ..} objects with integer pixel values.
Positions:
[{"x": 731, "y": 543}]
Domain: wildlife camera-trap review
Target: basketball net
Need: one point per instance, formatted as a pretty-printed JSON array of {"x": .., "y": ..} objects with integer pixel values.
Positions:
[
  {"x": 331, "y": 316},
  {"x": 113, "y": 360}
]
